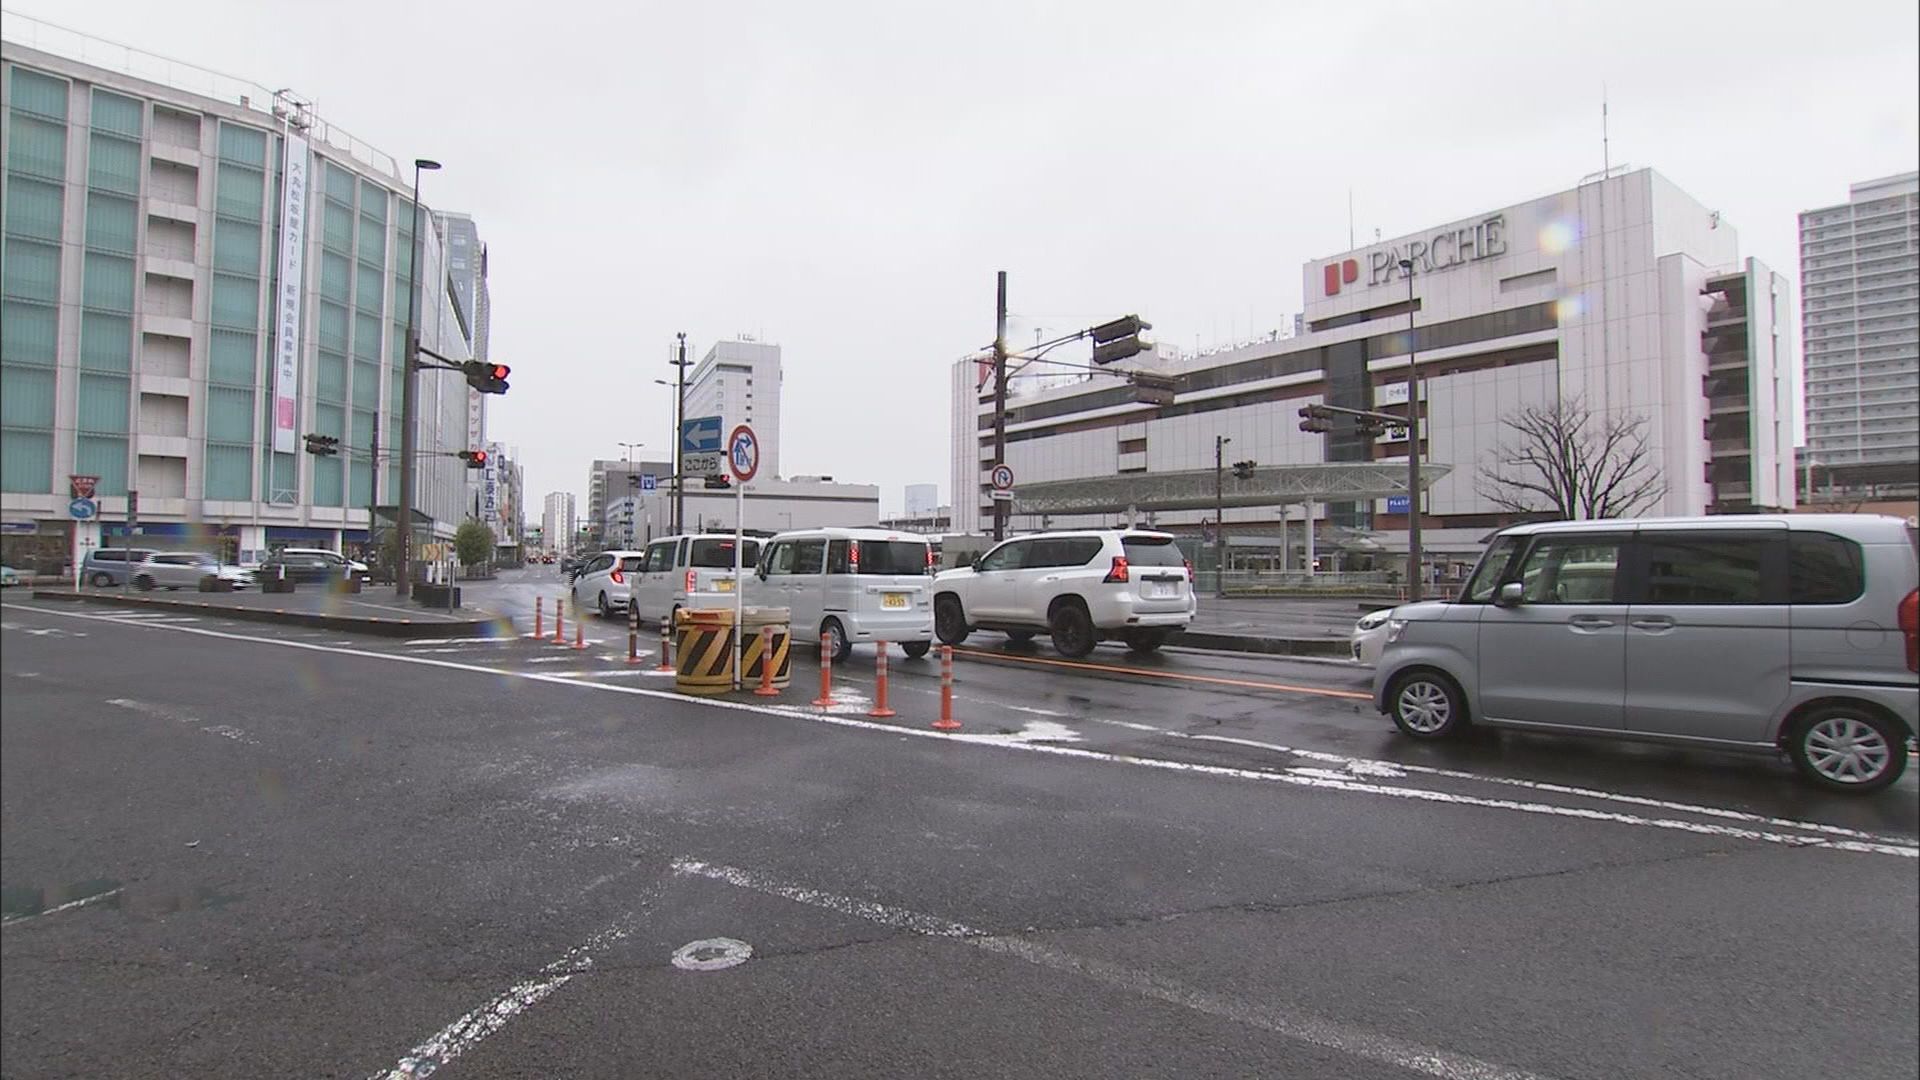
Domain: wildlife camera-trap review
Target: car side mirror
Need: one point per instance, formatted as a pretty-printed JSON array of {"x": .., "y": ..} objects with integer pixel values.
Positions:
[
  {"x": 1510, "y": 594},
  {"x": 978, "y": 561},
  {"x": 760, "y": 572}
]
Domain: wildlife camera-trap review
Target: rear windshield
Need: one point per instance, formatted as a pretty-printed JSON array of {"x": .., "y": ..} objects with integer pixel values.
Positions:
[
  {"x": 1152, "y": 551},
  {"x": 718, "y": 554},
  {"x": 632, "y": 562},
  {"x": 889, "y": 557}
]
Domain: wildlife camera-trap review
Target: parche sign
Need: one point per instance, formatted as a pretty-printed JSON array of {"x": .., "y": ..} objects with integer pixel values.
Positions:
[{"x": 1444, "y": 250}]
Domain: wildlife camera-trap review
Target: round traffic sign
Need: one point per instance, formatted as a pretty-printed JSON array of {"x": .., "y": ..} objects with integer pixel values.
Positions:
[
  {"x": 743, "y": 453},
  {"x": 1003, "y": 478},
  {"x": 83, "y": 509}
]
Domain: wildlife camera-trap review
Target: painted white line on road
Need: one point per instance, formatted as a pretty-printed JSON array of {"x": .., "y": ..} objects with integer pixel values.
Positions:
[
  {"x": 604, "y": 674},
  {"x": 467, "y": 1032},
  {"x": 1901, "y": 849},
  {"x": 460, "y": 641},
  {"x": 555, "y": 659},
  {"x": 1300, "y": 1027},
  {"x": 70, "y": 905}
]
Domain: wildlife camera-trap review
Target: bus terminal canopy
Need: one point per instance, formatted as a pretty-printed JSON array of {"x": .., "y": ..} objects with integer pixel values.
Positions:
[{"x": 1192, "y": 489}]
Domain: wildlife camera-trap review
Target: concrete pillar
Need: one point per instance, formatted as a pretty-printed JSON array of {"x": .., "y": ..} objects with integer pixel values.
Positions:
[
  {"x": 253, "y": 542},
  {"x": 1309, "y": 528},
  {"x": 1285, "y": 560}
]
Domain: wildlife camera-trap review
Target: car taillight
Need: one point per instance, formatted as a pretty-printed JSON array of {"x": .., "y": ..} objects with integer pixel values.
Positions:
[
  {"x": 1117, "y": 575},
  {"x": 853, "y": 556},
  {"x": 1909, "y": 617},
  {"x": 617, "y": 579},
  {"x": 930, "y": 562},
  {"x": 693, "y": 582}
]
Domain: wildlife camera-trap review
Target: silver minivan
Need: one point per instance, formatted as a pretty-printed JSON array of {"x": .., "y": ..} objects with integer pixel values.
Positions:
[
  {"x": 845, "y": 586},
  {"x": 1796, "y": 633},
  {"x": 689, "y": 571}
]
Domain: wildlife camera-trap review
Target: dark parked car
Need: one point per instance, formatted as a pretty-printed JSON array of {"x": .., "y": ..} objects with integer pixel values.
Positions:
[{"x": 304, "y": 566}]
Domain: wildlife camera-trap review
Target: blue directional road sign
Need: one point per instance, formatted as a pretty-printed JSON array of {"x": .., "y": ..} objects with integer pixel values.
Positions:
[
  {"x": 82, "y": 509},
  {"x": 648, "y": 482},
  {"x": 1396, "y": 504},
  {"x": 700, "y": 435}
]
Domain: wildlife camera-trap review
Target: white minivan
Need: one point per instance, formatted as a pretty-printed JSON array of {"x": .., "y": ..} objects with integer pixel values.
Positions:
[
  {"x": 849, "y": 586},
  {"x": 689, "y": 570}
]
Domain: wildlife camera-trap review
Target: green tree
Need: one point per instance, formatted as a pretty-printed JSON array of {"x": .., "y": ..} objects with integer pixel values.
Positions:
[{"x": 473, "y": 543}]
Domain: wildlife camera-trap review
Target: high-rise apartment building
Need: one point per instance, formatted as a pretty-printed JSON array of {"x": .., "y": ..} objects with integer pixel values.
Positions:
[
  {"x": 557, "y": 523},
  {"x": 1860, "y": 296},
  {"x": 739, "y": 381}
]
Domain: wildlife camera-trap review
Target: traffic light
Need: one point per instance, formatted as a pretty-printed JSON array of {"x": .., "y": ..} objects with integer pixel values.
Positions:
[
  {"x": 1316, "y": 418},
  {"x": 1243, "y": 469},
  {"x": 1119, "y": 339},
  {"x": 486, "y": 378},
  {"x": 323, "y": 445},
  {"x": 721, "y": 482},
  {"x": 475, "y": 459}
]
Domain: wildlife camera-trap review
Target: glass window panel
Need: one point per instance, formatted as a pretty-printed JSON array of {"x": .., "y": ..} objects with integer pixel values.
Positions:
[
  {"x": 29, "y": 333},
  {"x": 330, "y": 378},
  {"x": 340, "y": 184},
  {"x": 327, "y": 482},
  {"x": 333, "y": 327},
  {"x": 366, "y": 385},
  {"x": 103, "y": 404},
  {"x": 229, "y": 414},
  {"x": 37, "y": 147},
  {"x": 26, "y": 397},
  {"x": 232, "y": 357},
  {"x": 336, "y": 226},
  {"x": 360, "y": 480},
  {"x": 26, "y": 460},
  {"x": 123, "y": 115},
  {"x": 1705, "y": 569},
  {"x": 34, "y": 208},
  {"x": 370, "y": 288},
  {"x": 31, "y": 271},
  {"x": 113, "y": 164},
  {"x": 245, "y": 145},
  {"x": 366, "y": 336},
  {"x": 336, "y": 274},
  {"x": 41, "y": 94},
  {"x": 107, "y": 282},
  {"x": 104, "y": 457},
  {"x": 329, "y": 420},
  {"x": 229, "y": 472},
  {"x": 236, "y": 301},
  {"x": 110, "y": 222},
  {"x": 106, "y": 341},
  {"x": 1824, "y": 569},
  {"x": 362, "y": 435},
  {"x": 372, "y": 241},
  {"x": 236, "y": 246},
  {"x": 1571, "y": 570},
  {"x": 239, "y": 192},
  {"x": 373, "y": 201}
]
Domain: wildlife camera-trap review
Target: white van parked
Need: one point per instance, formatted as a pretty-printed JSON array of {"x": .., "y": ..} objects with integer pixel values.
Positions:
[
  {"x": 850, "y": 585},
  {"x": 689, "y": 570}
]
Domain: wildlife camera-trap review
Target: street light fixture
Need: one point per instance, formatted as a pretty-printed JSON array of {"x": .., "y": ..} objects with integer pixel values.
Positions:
[
  {"x": 1414, "y": 572},
  {"x": 409, "y": 394}
]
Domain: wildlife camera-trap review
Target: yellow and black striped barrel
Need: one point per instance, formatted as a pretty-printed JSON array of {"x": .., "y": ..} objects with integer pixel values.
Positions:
[
  {"x": 704, "y": 649},
  {"x": 754, "y": 661}
]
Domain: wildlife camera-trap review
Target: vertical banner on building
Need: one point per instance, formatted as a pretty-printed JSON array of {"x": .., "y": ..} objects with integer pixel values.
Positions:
[
  {"x": 293, "y": 262},
  {"x": 490, "y": 490}
]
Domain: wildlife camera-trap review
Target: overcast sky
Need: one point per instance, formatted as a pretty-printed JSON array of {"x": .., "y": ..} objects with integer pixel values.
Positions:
[{"x": 845, "y": 178}]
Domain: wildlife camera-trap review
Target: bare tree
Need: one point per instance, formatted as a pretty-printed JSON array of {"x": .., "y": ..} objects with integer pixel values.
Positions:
[{"x": 1561, "y": 460}]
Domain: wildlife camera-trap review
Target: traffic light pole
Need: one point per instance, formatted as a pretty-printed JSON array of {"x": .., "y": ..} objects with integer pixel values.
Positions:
[
  {"x": 1000, "y": 506},
  {"x": 679, "y": 420},
  {"x": 409, "y": 405},
  {"x": 1219, "y": 518},
  {"x": 1414, "y": 571}
]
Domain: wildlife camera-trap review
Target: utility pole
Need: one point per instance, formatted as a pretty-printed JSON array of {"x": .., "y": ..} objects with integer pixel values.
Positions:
[
  {"x": 1000, "y": 506},
  {"x": 1219, "y": 518},
  {"x": 679, "y": 421},
  {"x": 1414, "y": 571},
  {"x": 409, "y": 395},
  {"x": 373, "y": 494}
]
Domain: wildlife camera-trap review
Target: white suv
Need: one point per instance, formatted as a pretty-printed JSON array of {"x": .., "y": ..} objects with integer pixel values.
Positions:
[{"x": 1079, "y": 587}]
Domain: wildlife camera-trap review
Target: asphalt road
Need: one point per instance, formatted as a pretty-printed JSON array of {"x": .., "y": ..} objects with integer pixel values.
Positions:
[{"x": 261, "y": 851}]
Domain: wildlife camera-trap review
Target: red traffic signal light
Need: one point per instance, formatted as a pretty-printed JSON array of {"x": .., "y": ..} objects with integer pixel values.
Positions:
[
  {"x": 486, "y": 378},
  {"x": 475, "y": 459}
]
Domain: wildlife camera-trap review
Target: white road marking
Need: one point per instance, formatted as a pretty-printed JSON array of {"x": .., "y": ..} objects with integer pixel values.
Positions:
[
  {"x": 615, "y": 674},
  {"x": 1032, "y": 731},
  {"x": 1898, "y": 846},
  {"x": 1300, "y": 1027},
  {"x": 567, "y": 659},
  {"x": 225, "y": 731},
  {"x": 412, "y": 643},
  {"x": 711, "y": 954},
  {"x": 68, "y": 906}
]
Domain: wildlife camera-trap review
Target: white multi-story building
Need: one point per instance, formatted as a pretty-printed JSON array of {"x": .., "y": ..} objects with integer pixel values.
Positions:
[
  {"x": 194, "y": 280},
  {"x": 739, "y": 381},
  {"x": 1623, "y": 291},
  {"x": 1860, "y": 298},
  {"x": 557, "y": 522}
]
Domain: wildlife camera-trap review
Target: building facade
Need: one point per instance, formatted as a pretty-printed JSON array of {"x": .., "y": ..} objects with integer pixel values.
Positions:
[
  {"x": 194, "y": 281},
  {"x": 739, "y": 381},
  {"x": 920, "y": 500},
  {"x": 618, "y": 497},
  {"x": 557, "y": 525},
  {"x": 1860, "y": 297},
  {"x": 1623, "y": 292}
]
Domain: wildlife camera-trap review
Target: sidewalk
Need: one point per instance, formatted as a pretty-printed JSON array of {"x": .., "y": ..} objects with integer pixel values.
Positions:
[{"x": 374, "y": 612}]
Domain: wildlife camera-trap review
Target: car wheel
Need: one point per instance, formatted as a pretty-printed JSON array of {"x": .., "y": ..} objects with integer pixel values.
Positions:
[
  {"x": 101, "y": 581},
  {"x": 949, "y": 621},
  {"x": 1427, "y": 705},
  {"x": 143, "y": 583},
  {"x": 606, "y": 610},
  {"x": 836, "y": 641},
  {"x": 1144, "y": 641},
  {"x": 1020, "y": 637},
  {"x": 1072, "y": 630},
  {"x": 1845, "y": 748},
  {"x": 915, "y": 650}
]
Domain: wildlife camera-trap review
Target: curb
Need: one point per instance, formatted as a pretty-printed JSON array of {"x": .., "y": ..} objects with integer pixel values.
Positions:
[
  {"x": 358, "y": 624},
  {"x": 1266, "y": 646}
]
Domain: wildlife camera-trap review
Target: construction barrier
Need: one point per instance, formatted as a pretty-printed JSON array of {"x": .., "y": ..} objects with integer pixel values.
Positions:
[
  {"x": 767, "y": 633},
  {"x": 666, "y": 648},
  {"x": 880, "y": 710},
  {"x": 539, "y": 622},
  {"x": 825, "y": 700},
  {"x": 633, "y": 631},
  {"x": 705, "y": 652},
  {"x": 559, "y": 621},
  {"x": 946, "y": 721}
]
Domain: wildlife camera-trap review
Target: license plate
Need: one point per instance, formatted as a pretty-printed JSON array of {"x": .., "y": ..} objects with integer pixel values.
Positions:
[
  {"x": 723, "y": 585},
  {"x": 893, "y": 600},
  {"x": 1159, "y": 591}
]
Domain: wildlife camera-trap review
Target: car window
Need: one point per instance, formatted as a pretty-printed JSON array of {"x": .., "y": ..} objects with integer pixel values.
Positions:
[
  {"x": 1008, "y": 556},
  {"x": 890, "y": 557},
  {"x": 1570, "y": 570},
  {"x": 1823, "y": 569},
  {"x": 1491, "y": 571},
  {"x": 837, "y": 557},
  {"x": 631, "y": 563},
  {"x": 1705, "y": 569},
  {"x": 680, "y": 552},
  {"x": 660, "y": 557},
  {"x": 1152, "y": 551},
  {"x": 809, "y": 556},
  {"x": 714, "y": 555}
]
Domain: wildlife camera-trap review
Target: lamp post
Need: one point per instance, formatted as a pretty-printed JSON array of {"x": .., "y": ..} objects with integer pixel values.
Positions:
[
  {"x": 409, "y": 395},
  {"x": 1219, "y": 519},
  {"x": 1414, "y": 571},
  {"x": 673, "y": 453}
]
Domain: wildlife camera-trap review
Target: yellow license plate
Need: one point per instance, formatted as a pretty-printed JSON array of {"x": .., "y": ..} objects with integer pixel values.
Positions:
[
  {"x": 893, "y": 600},
  {"x": 726, "y": 584}
]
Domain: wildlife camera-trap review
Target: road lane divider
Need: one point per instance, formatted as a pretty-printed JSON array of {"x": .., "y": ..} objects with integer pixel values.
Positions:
[{"x": 1167, "y": 676}]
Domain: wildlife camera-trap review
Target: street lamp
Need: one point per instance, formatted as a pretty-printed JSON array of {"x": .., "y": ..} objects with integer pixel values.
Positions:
[
  {"x": 1414, "y": 572},
  {"x": 1219, "y": 520},
  {"x": 679, "y": 418},
  {"x": 409, "y": 395}
]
